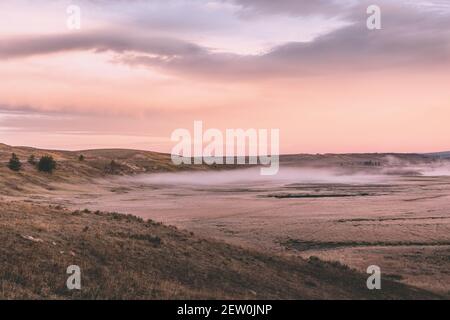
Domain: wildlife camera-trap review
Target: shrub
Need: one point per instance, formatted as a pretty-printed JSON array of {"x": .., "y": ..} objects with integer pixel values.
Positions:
[
  {"x": 113, "y": 167},
  {"x": 32, "y": 160},
  {"x": 47, "y": 164},
  {"x": 14, "y": 163},
  {"x": 81, "y": 158}
]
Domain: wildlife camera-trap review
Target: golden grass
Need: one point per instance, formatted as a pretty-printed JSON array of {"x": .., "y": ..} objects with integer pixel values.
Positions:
[{"x": 124, "y": 257}]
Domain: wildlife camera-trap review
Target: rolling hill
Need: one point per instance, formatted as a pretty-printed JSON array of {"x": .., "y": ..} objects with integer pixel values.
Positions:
[{"x": 125, "y": 257}]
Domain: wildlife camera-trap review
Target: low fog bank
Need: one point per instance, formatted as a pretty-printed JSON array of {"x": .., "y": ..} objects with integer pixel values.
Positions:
[
  {"x": 391, "y": 169},
  {"x": 427, "y": 171},
  {"x": 400, "y": 167},
  {"x": 253, "y": 176}
]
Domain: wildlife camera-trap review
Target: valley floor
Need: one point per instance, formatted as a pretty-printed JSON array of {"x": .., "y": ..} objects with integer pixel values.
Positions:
[{"x": 402, "y": 225}]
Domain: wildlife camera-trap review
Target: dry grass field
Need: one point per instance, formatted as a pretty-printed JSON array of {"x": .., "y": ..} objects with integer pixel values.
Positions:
[
  {"x": 278, "y": 228},
  {"x": 125, "y": 257}
]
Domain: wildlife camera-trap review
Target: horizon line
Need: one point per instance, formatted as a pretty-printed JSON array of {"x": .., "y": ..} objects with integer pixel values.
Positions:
[{"x": 281, "y": 154}]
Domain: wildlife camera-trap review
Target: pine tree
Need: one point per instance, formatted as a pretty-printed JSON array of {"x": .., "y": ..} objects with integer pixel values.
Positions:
[{"x": 14, "y": 163}]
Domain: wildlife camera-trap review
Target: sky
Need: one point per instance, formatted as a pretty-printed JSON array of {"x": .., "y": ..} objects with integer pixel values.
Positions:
[{"x": 137, "y": 70}]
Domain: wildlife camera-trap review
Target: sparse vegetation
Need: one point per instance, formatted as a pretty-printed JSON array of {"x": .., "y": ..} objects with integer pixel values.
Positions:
[
  {"x": 124, "y": 257},
  {"x": 32, "y": 160},
  {"x": 14, "y": 163},
  {"x": 47, "y": 164},
  {"x": 113, "y": 167},
  {"x": 118, "y": 254}
]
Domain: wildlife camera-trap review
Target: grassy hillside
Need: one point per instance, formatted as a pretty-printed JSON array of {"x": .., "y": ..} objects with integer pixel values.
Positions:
[
  {"x": 95, "y": 161},
  {"x": 124, "y": 257},
  {"x": 96, "y": 164}
]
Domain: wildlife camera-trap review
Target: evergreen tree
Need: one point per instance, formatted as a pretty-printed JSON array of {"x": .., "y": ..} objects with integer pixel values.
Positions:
[
  {"x": 14, "y": 163},
  {"x": 47, "y": 164}
]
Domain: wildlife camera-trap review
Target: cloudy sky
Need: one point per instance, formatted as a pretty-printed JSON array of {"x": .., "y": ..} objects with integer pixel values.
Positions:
[{"x": 139, "y": 69}]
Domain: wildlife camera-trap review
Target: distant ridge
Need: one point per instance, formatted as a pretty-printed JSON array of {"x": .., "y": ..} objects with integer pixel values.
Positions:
[{"x": 443, "y": 155}]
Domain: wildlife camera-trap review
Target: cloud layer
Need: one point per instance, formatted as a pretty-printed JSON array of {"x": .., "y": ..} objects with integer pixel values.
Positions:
[
  {"x": 140, "y": 69},
  {"x": 410, "y": 37}
]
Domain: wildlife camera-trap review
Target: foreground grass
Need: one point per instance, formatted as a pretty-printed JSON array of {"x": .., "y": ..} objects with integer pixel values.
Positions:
[{"x": 124, "y": 257}]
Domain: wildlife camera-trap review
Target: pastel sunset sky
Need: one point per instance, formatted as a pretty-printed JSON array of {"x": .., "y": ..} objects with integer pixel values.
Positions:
[{"x": 139, "y": 69}]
